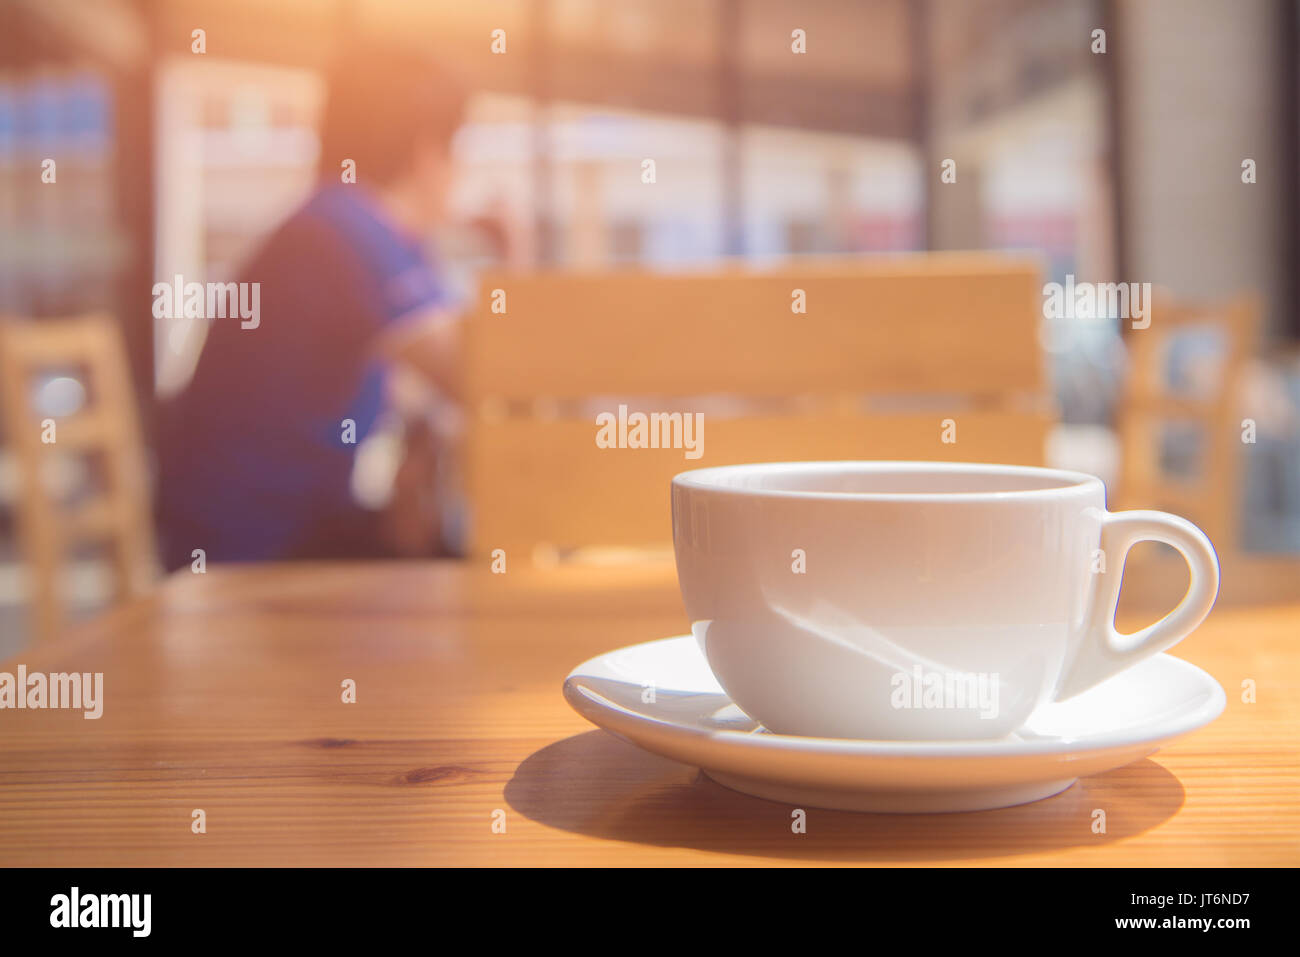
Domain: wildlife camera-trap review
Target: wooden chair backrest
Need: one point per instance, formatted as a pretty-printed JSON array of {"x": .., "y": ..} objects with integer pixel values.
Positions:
[
  {"x": 105, "y": 427},
  {"x": 1211, "y": 497},
  {"x": 885, "y": 354}
]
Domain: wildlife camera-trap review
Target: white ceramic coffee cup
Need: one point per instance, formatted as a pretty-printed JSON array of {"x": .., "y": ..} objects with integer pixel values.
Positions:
[{"x": 915, "y": 600}]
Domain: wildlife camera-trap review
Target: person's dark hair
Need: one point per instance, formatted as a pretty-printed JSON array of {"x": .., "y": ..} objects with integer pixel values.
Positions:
[{"x": 382, "y": 103}]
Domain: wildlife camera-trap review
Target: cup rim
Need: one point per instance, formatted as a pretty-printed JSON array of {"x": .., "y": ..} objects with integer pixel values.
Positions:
[{"x": 707, "y": 480}]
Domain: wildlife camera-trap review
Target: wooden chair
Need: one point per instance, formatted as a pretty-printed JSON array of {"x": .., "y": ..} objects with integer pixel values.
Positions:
[
  {"x": 887, "y": 351},
  {"x": 1210, "y": 493},
  {"x": 105, "y": 429}
]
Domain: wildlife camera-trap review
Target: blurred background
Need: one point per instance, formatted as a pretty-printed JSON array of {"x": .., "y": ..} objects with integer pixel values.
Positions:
[{"x": 1112, "y": 156}]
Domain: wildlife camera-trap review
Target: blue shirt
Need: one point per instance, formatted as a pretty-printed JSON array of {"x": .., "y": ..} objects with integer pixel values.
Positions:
[{"x": 252, "y": 455}]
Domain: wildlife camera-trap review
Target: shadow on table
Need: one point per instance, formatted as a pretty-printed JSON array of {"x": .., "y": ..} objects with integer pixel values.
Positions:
[{"x": 596, "y": 784}]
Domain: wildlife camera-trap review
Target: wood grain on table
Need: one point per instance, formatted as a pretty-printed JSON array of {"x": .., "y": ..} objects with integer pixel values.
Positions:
[{"x": 223, "y": 693}]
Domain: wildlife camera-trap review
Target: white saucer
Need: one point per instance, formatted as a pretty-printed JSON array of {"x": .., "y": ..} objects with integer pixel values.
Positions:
[{"x": 691, "y": 720}]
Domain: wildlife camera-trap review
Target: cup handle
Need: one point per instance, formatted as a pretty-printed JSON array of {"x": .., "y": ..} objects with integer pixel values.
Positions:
[{"x": 1104, "y": 651}]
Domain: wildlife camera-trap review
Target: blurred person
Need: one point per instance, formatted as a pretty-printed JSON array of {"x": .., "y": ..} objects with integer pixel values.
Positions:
[{"x": 257, "y": 455}]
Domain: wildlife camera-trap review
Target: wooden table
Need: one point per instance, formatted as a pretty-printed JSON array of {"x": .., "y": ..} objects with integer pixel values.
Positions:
[{"x": 223, "y": 693}]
